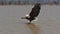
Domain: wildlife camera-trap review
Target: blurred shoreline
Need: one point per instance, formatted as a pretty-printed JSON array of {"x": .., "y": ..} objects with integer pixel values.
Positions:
[{"x": 10, "y": 3}]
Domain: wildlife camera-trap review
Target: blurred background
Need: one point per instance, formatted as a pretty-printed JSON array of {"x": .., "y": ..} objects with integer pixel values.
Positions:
[
  {"x": 28, "y": 2},
  {"x": 11, "y": 12}
]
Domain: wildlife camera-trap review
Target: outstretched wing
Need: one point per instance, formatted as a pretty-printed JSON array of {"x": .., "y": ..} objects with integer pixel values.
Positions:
[{"x": 35, "y": 11}]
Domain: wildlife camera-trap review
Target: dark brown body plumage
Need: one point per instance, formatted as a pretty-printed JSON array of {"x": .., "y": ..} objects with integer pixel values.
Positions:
[{"x": 34, "y": 12}]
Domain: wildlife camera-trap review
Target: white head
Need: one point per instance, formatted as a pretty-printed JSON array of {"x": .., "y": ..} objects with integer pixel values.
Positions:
[{"x": 27, "y": 15}]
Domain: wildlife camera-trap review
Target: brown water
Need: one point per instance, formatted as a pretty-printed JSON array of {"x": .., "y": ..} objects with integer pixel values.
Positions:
[{"x": 48, "y": 20}]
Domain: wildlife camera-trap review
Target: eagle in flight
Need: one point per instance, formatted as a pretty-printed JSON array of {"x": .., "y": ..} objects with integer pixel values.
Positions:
[{"x": 34, "y": 13}]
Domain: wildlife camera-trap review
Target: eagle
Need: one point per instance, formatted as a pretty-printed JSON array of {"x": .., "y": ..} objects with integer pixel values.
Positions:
[{"x": 34, "y": 13}]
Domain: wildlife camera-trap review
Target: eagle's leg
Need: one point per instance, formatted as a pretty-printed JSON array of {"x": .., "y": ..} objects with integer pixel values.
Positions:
[{"x": 29, "y": 21}]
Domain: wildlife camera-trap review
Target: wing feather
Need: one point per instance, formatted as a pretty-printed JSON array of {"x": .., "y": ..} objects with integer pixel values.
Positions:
[{"x": 35, "y": 11}]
